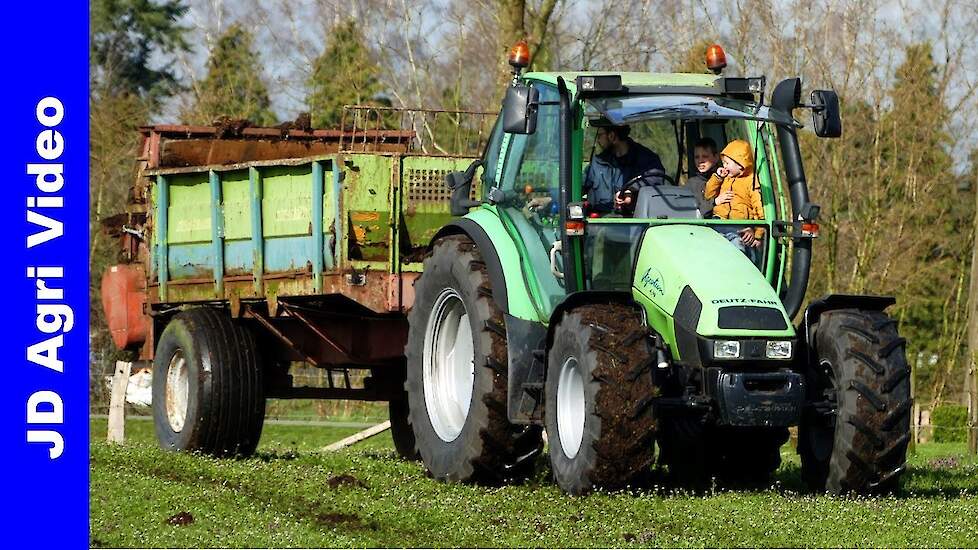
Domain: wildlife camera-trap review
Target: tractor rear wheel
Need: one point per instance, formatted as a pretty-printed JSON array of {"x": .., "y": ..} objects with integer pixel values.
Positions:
[
  {"x": 599, "y": 399},
  {"x": 457, "y": 373},
  {"x": 207, "y": 385},
  {"x": 854, "y": 440}
]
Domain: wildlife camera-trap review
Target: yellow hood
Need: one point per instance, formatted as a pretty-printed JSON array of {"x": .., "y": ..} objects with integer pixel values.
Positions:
[{"x": 739, "y": 151}]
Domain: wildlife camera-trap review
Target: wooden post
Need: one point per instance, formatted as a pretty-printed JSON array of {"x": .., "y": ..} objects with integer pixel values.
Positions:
[
  {"x": 359, "y": 436},
  {"x": 915, "y": 411},
  {"x": 117, "y": 403}
]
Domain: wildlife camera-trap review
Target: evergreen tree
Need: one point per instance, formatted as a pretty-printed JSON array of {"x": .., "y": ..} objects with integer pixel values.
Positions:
[
  {"x": 344, "y": 74},
  {"x": 234, "y": 87},
  {"x": 126, "y": 36}
]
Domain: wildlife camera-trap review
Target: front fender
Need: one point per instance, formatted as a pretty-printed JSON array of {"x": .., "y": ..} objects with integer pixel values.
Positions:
[
  {"x": 832, "y": 302},
  {"x": 502, "y": 259}
]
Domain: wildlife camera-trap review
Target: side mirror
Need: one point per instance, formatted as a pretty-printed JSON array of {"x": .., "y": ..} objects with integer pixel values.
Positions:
[
  {"x": 825, "y": 114},
  {"x": 520, "y": 110},
  {"x": 460, "y": 184}
]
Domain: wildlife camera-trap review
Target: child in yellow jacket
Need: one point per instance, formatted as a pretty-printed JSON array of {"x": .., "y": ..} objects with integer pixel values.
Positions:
[{"x": 736, "y": 194}]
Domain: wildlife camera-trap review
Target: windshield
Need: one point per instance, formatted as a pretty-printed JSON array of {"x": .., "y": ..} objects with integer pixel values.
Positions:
[{"x": 630, "y": 109}]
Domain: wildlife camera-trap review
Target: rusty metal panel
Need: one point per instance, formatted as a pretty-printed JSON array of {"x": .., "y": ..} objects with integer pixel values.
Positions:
[
  {"x": 168, "y": 146},
  {"x": 123, "y": 297}
]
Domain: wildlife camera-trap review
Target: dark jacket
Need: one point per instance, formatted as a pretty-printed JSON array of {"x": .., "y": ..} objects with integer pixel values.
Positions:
[
  {"x": 697, "y": 184},
  {"x": 607, "y": 173}
]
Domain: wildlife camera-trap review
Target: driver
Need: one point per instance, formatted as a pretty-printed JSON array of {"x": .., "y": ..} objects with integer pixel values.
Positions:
[{"x": 621, "y": 159}]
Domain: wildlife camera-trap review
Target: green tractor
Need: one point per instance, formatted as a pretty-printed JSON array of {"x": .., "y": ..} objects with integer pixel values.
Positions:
[{"x": 624, "y": 337}]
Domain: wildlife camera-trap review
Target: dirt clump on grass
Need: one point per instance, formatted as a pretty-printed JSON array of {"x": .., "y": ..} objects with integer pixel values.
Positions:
[
  {"x": 345, "y": 480},
  {"x": 180, "y": 518}
]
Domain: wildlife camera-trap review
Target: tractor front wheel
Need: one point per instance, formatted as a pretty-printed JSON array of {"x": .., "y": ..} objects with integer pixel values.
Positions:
[
  {"x": 599, "y": 399},
  {"x": 854, "y": 438}
]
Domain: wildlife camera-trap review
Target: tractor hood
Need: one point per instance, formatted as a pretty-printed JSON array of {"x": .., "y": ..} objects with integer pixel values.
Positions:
[{"x": 691, "y": 280}]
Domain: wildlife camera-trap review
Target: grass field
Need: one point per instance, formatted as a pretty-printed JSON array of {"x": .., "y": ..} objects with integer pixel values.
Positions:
[{"x": 291, "y": 496}]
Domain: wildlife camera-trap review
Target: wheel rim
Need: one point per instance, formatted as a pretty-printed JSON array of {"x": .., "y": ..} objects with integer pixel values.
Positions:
[
  {"x": 448, "y": 365},
  {"x": 177, "y": 391},
  {"x": 570, "y": 407}
]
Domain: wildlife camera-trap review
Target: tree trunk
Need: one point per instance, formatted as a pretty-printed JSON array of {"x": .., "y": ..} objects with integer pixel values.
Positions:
[
  {"x": 515, "y": 25},
  {"x": 972, "y": 387}
]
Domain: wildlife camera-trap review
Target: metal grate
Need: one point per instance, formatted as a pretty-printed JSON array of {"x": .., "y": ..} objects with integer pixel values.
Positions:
[{"x": 426, "y": 185}]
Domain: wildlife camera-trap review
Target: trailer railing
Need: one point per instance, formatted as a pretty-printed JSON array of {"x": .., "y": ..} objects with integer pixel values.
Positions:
[{"x": 437, "y": 132}]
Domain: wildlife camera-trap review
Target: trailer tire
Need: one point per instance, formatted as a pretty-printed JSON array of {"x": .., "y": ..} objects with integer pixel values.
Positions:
[
  {"x": 860, "y": 444},
  {"x": 457, "y": 408},
  {"x": 599, "y": 394},
  {"x": 207, "y": 385}
]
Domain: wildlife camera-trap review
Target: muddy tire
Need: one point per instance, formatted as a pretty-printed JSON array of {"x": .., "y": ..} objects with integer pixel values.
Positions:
[
  {"x": 457, "y": 373},
  {"x": 855, "y": 440},
  {"x": 207, "y": 385},
  {"x": 599, "y": 394}
]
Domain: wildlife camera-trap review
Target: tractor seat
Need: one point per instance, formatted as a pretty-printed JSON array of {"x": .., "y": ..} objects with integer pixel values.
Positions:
[{"x": 666, "y": 201}]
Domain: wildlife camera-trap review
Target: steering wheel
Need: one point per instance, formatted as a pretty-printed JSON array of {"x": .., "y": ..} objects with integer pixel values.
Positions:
[{"x": 652, "y": 172}]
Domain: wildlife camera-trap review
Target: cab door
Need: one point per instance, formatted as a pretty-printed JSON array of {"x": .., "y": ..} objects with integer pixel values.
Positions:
[{"x": 530, "y": 208}]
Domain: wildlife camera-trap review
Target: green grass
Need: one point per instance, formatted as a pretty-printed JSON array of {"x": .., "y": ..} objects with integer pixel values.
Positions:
[{"x": 288, "y": 495}]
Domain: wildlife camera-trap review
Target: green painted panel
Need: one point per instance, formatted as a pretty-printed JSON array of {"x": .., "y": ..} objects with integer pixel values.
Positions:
[
  {"x": 189, "y": 214},
  {"x": 367, "y": 202},
  {"x": 237, "y": 205},
  {"x": 425, "y": 202},
  {"x": 329, "y": 201},
  {"x": 674, "y": 256},
  {"x": 286, "y": 200}
]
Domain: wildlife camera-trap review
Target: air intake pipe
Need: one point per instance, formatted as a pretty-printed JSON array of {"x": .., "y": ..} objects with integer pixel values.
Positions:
[{"x": 786, "y": 97}]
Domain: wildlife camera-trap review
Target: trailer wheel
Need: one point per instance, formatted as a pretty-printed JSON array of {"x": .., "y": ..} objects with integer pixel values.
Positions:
[
  {"x": 599, "y": 399},
  {"x": 457, "y": 373},
  {"x": 207, "y": 385},
  {"x": 854, "y": 439}
]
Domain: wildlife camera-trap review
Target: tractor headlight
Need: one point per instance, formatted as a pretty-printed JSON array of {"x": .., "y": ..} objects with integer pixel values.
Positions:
[
  {"x": 726, "y": 349},
  {"x": 778, "y": 349}
]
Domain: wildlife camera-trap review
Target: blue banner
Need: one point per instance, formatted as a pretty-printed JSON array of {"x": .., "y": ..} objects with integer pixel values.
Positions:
[{"x": 44, "y": 210}]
